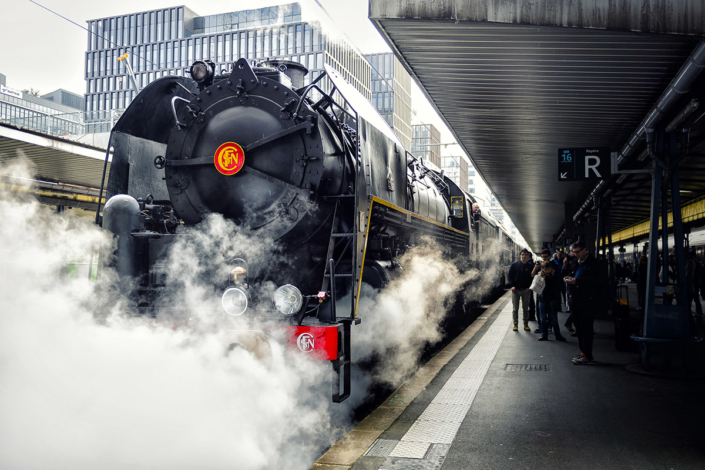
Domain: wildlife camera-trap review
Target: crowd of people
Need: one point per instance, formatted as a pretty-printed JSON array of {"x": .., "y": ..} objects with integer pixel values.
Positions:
[{"x": 575, "y": 283}]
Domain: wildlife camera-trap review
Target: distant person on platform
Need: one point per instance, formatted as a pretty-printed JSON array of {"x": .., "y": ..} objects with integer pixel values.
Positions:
[
  {"x": 693, "y": 272},
  {"x": 519, "y": 279},
  {"x": 588, "y": 289},
  {"x": 548, "y": 302},
  {"x": 545, "y": 258}
]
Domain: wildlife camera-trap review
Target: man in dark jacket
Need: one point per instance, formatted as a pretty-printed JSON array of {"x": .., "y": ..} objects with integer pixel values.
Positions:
[
  {"x": 519, "y": 279},
  {"x": 587, "y": 287}
]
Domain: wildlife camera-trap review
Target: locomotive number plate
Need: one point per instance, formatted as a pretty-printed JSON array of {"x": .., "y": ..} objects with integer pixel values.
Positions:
[{"x": 229, "y": 158}]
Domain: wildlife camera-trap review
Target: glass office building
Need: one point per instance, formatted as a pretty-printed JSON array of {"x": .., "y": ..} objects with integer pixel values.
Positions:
[
  {"x": 391, "y": 93},
  {"x": 456, "y": 168},
  {"x": 425, "y": 143},
  {"x": 167, "y": 41}
]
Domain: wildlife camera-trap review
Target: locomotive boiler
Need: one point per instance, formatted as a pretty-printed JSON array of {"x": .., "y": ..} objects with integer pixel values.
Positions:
[{"x": 314, "y": 167}]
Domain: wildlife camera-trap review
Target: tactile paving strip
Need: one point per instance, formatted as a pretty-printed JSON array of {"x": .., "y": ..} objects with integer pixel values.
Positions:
[{"x": 439, "y": 423}]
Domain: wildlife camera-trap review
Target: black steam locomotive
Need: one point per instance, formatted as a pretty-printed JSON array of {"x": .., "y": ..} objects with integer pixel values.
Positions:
[{"x": 319, "y": 171}]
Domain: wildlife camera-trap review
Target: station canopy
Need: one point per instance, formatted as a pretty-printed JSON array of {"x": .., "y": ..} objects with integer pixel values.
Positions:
[{"x": 516, "y": 81}]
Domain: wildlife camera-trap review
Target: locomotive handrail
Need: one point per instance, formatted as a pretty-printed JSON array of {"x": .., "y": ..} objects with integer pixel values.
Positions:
[
  {"x": 173, "y": 110},
  {"x": 305, "y": 92}
]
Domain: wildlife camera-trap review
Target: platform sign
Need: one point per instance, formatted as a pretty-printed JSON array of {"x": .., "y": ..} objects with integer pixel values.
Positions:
[{"x": 581, "y": 164}]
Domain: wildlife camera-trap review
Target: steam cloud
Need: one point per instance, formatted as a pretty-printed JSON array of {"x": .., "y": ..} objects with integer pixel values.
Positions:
[
  {"x": 124, "y": 393},
  {"x": 400, "y": 321},
  {"x": 79, "y": 390}
]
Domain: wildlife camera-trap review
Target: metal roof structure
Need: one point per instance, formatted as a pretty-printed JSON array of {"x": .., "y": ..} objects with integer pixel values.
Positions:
[
  {"x": 516, "y": 83},
  {"x": 65, "y": 172}
]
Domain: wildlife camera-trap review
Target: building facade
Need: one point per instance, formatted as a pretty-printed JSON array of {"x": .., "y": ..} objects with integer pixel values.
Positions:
[
  {"x": 456, "y": 168},
  {"x": 39, "y": 114},
  {"x": 425, "y": 143},
  {"x": 167, "y": 41},
  {"x": 391, "y": 94},
  {"x": 66, "y": 98}
]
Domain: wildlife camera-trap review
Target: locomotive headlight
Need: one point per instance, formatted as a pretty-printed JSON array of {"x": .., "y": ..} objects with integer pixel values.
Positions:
[
  {"x": 288, "y": 300},
  {"x": 235, "y": 300},
  {"x": 201, "y": 71}
]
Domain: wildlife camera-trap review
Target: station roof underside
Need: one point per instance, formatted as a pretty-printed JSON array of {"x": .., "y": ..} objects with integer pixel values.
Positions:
[
  {"x": 513, "y": 94},
  {"x": 63, "y": 172}
]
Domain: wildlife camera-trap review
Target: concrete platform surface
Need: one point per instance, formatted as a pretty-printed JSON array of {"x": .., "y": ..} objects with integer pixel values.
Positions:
[{"x": 506, "y": 400}]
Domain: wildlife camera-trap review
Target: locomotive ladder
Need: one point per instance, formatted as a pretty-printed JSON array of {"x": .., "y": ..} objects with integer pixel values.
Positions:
[
  {"x": 330, "y": 275},
  {"x": 344, "y": 360}
]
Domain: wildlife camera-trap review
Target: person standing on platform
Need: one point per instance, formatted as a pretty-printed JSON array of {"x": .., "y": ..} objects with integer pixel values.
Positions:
[
  {"x": 545, "y": 258},
  {"x": 519, "y": 279},
  {"x": 642, "y": 273},
  {"x": 588, "y": 289},
  {"x": 693, "y": 272},
  {"x": 570, "y": 264},
  {"x": 548, "y": 302},
  {"x": 558, "y": 271}
]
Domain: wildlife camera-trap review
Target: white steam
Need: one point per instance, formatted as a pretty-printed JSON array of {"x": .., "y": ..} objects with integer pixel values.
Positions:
[
  {"x": 128, "y": 393},
  {"x": 86, "y": 383},
  {"x": 400, "y": 321}
]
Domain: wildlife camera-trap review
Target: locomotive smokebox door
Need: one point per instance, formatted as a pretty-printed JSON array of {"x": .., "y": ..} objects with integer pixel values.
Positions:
[{"x": 456, "y": 206}]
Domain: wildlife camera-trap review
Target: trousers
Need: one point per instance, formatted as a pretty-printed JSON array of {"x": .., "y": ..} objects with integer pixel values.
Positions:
[
  {"x": 584, "y": 319},
  {"x": 525, "y": 296}
]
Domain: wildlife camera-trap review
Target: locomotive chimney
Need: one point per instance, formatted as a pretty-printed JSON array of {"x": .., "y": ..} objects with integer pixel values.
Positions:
[{"x": 295, "y": 71}]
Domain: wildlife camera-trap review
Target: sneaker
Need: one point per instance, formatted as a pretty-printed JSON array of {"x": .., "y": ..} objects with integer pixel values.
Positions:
[
  {"x": 583, "y": 361},
  {"x": 574, "y": 334},
  {"x": 538, "y": 330},
  {"x": 569, "y": 327},
  {"x": 516, "y": 327},
  {"x": 543, "y": 338},
  {"x": 578, "y": 357},
  {"x": 526, "y": 326},
  {"x": 561, "y": 338}
]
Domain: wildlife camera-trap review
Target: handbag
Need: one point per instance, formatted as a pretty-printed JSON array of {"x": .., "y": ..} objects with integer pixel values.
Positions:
[{"x": 538, "y": 284}]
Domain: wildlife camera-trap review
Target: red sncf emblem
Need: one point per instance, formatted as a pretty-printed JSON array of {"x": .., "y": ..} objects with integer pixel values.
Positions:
[{"x": 229, "y": 158}]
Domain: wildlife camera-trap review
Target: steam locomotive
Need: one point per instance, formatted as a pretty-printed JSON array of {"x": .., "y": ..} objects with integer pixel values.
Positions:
[{"x": 319, "y": 171}]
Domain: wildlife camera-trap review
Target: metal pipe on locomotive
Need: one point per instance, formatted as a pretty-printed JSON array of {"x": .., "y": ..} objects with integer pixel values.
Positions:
[{"x": 324, "y": 177}]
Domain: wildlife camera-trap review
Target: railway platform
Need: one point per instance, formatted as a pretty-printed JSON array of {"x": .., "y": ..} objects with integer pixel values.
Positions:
[{"x": 494, "y": 398}]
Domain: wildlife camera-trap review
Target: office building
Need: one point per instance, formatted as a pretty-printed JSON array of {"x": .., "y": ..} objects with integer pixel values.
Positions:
[
  {"x": 66, "y": 98},
  {"x": 167, "y": 41},
  {"x": 425, "y": 143},
  {"x": 456, "y": 168},
  {"x": 391, "y": 94}
]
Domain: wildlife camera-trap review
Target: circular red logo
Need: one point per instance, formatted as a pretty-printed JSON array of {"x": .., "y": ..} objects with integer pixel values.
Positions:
[{"x": 229, "y": 158}]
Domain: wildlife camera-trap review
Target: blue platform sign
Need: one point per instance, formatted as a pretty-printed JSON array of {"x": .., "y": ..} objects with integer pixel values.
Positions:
[{"x": 581, "y": 164}]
